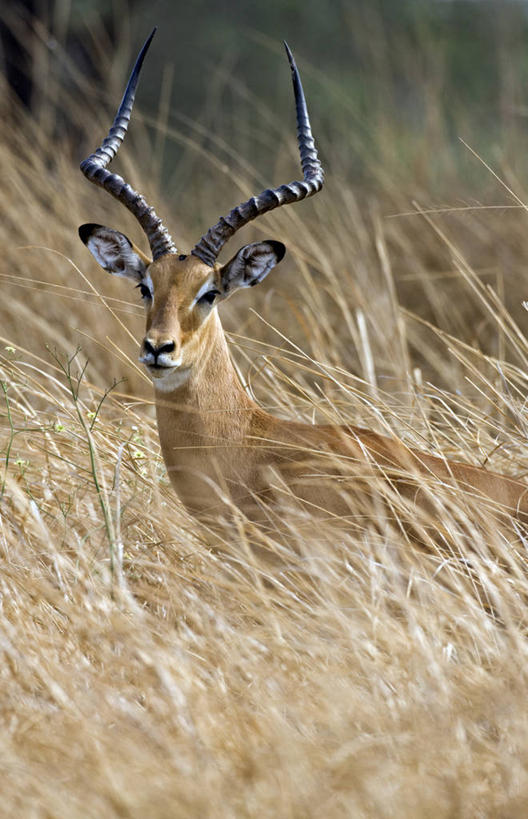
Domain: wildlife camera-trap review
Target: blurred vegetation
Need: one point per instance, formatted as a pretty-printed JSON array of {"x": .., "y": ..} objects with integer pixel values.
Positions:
[{"x": 389, "y": 81}]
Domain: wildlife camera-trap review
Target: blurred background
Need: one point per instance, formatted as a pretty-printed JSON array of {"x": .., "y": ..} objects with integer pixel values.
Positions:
[
  {"x": 393, "y": 87},
  {"x": 417, "y": 71}
]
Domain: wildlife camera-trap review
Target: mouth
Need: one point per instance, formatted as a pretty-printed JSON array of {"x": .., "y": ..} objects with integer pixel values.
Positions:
[
  {"x": 167, "y": 377},
  {"x": 159, "y": 370}
]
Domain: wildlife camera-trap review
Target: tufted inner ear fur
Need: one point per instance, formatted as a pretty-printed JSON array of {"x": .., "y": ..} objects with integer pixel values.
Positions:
[
  {"x": 114, "y": 251},
  {"x": 251, "y": 264}
]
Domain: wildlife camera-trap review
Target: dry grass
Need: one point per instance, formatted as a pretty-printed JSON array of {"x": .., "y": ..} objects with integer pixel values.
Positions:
[{"x": 153, "y": 668}]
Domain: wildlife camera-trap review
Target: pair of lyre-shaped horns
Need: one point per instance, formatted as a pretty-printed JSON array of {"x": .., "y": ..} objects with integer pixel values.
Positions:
[{"x": 210, "y": 245}]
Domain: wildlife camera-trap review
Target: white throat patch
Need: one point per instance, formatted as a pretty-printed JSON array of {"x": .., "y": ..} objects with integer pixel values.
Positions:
[{"x": 174, "y": 379}]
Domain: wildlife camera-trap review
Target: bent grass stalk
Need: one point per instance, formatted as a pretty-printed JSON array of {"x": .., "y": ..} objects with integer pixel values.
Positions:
[
  {"x": 74, "y": 385},
  {"x": 11, "y": 438}
]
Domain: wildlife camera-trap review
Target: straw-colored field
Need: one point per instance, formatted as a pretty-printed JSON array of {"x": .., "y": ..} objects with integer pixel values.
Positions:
[{"x": 151, "y": 668}]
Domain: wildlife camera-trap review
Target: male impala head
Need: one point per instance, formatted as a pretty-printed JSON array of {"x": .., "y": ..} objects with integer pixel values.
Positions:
[{"x": 181, "y": 291}]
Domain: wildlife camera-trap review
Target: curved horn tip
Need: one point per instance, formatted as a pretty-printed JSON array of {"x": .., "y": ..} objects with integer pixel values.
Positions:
[
  {"x": 150, "y": 37},
  {"x": 132, "y": 82},
  {"x": 145, "y": 48},
  {"x": 289, "y": 54}
]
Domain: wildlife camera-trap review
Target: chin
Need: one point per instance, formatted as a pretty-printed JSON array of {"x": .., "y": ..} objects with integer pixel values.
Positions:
[{"x": 171, "y": 380}]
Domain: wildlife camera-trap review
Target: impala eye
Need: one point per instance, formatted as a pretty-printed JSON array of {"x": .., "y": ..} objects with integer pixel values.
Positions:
[
  {"x": 209, "y": 297},
  {"x": 144, "y": 290}
]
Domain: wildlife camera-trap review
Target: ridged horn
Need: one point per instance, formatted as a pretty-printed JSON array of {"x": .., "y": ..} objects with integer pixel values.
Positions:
[
  {"x": 94, "y": 168},
  {"x": 212, "y": 242}
]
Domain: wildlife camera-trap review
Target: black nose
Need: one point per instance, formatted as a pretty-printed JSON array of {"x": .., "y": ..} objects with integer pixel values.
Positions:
[{"x": 166, "y": 347}]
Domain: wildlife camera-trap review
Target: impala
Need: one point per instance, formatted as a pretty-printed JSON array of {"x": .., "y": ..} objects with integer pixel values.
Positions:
[{"x": 218, "y": 444}]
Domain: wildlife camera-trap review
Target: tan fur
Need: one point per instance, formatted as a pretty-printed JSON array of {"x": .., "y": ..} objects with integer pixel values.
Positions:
[{"x": 221, "y": 447}]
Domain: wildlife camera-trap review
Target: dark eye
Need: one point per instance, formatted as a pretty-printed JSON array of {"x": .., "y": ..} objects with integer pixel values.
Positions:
[
  {"x": 145, "y": 292},
  {"x": 209, "y": 297}
]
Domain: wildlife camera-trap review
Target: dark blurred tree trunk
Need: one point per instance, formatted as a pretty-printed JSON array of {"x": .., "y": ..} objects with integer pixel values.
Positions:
[
  {"x": 24, "y": 28},
  {"x": 17, "y": 55}
]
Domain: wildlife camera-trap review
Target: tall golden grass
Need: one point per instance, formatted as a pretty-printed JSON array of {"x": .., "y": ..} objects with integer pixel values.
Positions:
[{"x": 151, "y": 667}]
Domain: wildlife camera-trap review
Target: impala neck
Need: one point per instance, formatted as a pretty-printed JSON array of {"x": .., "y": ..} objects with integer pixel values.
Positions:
[
  {"x": 201, "y": 421},
  {"x": 213, "y": 382}
]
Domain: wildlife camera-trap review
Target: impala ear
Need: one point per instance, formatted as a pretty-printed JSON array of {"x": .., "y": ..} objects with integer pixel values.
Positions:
[
  {"x": 114, "y": 251},
  {"x": 250, "y": 265}
]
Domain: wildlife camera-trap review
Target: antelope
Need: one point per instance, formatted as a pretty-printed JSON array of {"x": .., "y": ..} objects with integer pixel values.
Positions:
[{"x": 218, "y": 444}]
